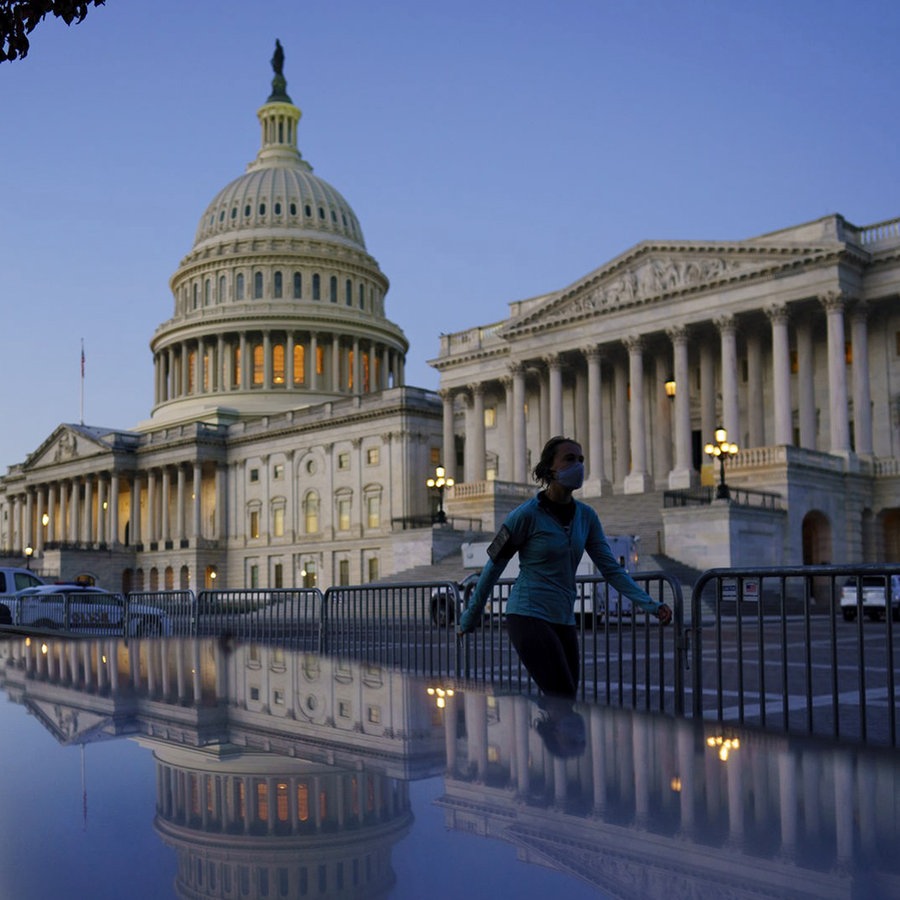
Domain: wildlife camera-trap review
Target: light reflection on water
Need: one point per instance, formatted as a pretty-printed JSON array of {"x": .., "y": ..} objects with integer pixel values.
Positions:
[{"x": 204, "y": 769}]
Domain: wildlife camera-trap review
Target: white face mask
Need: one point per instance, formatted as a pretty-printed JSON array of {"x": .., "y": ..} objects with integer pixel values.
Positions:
[{"x": 572, "y": 477}]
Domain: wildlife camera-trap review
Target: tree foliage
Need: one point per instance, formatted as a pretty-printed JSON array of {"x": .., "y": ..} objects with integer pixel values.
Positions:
[{"x": 18, "y": 19}]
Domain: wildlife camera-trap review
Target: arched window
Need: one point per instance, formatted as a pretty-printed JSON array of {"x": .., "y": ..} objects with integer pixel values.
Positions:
[
  {"x": 298, "y": 286},
  {"x": 221, "y": 297},
  {"x": 259, "y": 364},
  {"x": 299, "y": 364},
  {"x": 362, "y": 297},
  {"x": 278, "y": 365},
  {"x": 207, "y": 292},
  {"x": 348, "y": 292},
  {"x": 195, "y": 294},
  {"x": 277, "y": 285},
  {"x": 239, "y": 287},
  {"x": 311, "y": 512},
  {"x": 257, "y": 285},
  {"x": 316, "y": 287},
  {"x": 332, "y": 289}
]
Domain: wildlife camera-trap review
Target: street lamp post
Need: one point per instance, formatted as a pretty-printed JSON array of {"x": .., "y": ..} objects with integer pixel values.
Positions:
[
  {"x": 29, "y": 551},
  {"x": 438, "y": 483},
  {"x": 721, "y": 449}
]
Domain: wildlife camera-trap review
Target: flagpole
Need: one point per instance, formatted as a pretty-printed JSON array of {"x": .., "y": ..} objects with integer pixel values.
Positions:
[{"x": 82, "y": 381}]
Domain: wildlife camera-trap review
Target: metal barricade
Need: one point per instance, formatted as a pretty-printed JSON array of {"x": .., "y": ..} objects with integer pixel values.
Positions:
[
  {"x": 290, "y": 616},
  {"x": 800, "y": 649},
  {"x": 161, "y": 613}
]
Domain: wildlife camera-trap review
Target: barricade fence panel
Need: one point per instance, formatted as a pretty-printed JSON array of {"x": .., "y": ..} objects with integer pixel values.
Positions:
[{"x": 807, "y": 649}]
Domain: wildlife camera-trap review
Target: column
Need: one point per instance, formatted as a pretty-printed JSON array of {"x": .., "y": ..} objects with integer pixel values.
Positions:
[
  {"x": 245, "y": 363},
  {"x": 165, "y": 533},
  {"x": 862, "y": 400},
  {"x": 267, "y": 360},
  {"x": 289, "y": 343},
  {"x": 638, "y": 479},
  {"x": 621, "y": 432},
  {"x": 357, "y": 369},
  {"x": 63, "y": 513},
  {"x": 113, "y": 530},
  {"x": 336, "y": 363},
  {"x": 180, "y": 532},
  {"x": 806, "y": 385},
  {"x": 475, "y": 439},
  {"x": 313, "y": 362},
  {"x": 708, "y": 419},
  {"x": 51, "y": 513},
  {"x": 75, "y": 515},
  {"x": 87, "y": 526},
  {"x": 448, "y": 455},
  {"x": 221, "y": 383},
  {"x": 185, "y": 368},
  {"x": 756, "y": 432},
  {"x": 506, "y": 454},
  {"x": 520, "y": 455},
  {"x": 682, "y": 474},
  {"x": 596, "y": 413},
  {"x": 731, "y": 420},
  {"x": 151, "y": 507},
  {"x": 221, "y": 507},
  {"x": 554, "y": 376},
  {"x": 135, "y": 512},
  {"x": 102, "y": 508},
  {"x": 661, "y": 433},
  {"x": 39, "y": 524},
  {"x": 834, "y": 303},
  {"x": 195, "y": 525},
  {"x": 781, "y": 374},
  {"x": 200, "y": 368}
]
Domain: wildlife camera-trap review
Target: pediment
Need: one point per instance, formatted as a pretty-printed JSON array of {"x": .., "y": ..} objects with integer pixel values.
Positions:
[
  {"x": 67, "y": 443},
  {"x": 70, "y": 725},
  {"x": 654, "y": 273}
]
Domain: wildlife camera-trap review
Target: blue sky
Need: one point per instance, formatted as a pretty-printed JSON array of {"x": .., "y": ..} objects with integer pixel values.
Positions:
[{"x": 492, "y": 151}]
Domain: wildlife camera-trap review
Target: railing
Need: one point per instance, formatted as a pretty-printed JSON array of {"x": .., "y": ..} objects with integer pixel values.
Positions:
[
  {"x": 801, "y": 649},
  {"x": 701, "y": 496}
]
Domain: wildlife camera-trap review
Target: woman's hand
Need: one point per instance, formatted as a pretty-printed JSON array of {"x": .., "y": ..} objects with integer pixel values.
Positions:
[{"x": 664, "y": 614}]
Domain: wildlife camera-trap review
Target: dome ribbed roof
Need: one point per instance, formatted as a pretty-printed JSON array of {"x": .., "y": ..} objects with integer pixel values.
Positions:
[{"x": 283, "y": 197}]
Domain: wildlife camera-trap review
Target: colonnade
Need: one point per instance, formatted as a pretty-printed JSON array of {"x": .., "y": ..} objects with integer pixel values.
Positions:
[
  {"x": 638, "y": 387},
  {"x": 275, "y": 360},
  {"x": 98, "y": 508}
]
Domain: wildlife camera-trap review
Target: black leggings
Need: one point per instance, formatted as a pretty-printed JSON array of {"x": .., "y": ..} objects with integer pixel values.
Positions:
[{"x": 548, "y": 651}]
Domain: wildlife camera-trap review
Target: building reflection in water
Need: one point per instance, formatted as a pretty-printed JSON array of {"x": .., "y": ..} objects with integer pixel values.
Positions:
[{"x": 282, "y": 774}]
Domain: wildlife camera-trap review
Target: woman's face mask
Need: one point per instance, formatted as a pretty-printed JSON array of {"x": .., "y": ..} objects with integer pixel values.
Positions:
[{"x": 572, "y": 477}]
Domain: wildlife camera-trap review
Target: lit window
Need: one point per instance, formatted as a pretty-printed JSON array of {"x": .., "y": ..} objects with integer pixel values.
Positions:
[
  {"x": 344, "y": 514},
  {"x": 435, "y": 456},
  {"x": 311, "y": 514},
  {"x": 374, "y": 715},
  {"x": 258, "y": 364},
  {"x": 254, "y": 523},
  {"x": 343, "y": 461},
  {"x": 299, "y": 364},
  {"x": 278, "y": 364},
  {"x": 373, "y": 511},
  {"x": 344, "y": 709},
  {"x": 490, "y": 416},
  {"x": 372, "y": 455},
  {"x": 278, "y": 524},
  {"x": 278, "y": 471},
  {"x": 373, "y": 568}
]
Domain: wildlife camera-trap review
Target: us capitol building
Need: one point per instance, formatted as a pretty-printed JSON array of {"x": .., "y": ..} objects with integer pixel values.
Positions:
[{"x": 284, "y": 447}]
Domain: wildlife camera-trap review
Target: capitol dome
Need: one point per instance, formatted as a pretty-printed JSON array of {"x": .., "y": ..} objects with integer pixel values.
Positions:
[{"x": 278, "y": 304}]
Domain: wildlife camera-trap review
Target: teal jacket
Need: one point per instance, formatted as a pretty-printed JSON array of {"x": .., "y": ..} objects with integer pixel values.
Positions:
[{"x": 549, "y": 554}]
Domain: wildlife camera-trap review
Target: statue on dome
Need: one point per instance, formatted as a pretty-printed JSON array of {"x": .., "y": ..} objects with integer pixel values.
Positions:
[
  {"x": 279, "y": 83},
  {"x": 278, "y": 58}
]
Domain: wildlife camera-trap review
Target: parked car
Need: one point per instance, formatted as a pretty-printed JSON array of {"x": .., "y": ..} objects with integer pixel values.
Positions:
[
  {"x": 874, "y": 590},
  {"x": 83, "y": 609},
  {"x": 445, "y": 608},
  {"x": 13, "y": 579}
]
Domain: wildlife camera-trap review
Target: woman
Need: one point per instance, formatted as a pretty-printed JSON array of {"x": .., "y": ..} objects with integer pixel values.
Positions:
[{"x": 550, "y": 533}]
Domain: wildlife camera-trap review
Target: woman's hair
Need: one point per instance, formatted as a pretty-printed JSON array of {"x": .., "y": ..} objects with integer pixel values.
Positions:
[{"x": 543, "y": 471}]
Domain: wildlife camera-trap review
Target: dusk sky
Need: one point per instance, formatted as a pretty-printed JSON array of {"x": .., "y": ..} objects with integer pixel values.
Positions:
[{"x": 492, "y": 151}]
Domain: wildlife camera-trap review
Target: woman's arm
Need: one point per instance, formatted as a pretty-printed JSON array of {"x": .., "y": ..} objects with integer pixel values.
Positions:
[{"x": 490, "y": 575}]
